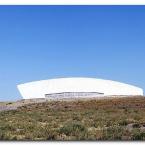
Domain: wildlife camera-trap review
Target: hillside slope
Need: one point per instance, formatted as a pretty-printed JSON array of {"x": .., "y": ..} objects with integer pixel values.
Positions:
[{"x": 108, "y": 119}]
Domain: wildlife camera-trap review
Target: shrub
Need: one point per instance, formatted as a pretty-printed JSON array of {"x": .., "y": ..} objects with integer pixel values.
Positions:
[
  {"x": 138, "y": 136},
  {"x": 72, "y": 129},
  {"x": 2, "y": 136},
  {"x": 9, "y": 103},
  {"x": 112, "y": 133},
  {"x": 123, "y": 122}
]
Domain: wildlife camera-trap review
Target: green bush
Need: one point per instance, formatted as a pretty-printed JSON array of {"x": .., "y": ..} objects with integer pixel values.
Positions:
[{"x": 123, "y": 122}]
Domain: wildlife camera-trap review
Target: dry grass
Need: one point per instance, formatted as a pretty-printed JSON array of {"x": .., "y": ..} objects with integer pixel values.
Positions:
[{"x": 108, "y": 119}]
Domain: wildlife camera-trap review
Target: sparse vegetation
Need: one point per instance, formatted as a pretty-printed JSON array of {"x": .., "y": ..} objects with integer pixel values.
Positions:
[{"x": 108, "y": 119}]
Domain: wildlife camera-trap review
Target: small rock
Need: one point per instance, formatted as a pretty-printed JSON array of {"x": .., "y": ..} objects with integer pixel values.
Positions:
[{"x": 142, "y": 129}]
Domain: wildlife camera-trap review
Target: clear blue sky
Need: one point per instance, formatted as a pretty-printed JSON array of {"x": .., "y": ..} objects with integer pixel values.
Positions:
[{"x": 42, "y": 42}]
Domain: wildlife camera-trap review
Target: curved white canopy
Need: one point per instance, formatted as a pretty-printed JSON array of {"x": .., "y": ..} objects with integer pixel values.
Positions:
[{"x": 39, "y": 89}]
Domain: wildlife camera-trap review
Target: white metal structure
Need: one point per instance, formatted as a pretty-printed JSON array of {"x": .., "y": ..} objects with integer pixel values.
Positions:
[{"x": 76, "y": 87}]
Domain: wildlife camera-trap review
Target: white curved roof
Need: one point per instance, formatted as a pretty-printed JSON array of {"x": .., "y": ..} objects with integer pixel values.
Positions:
[{"x": 38, "y": 89}]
